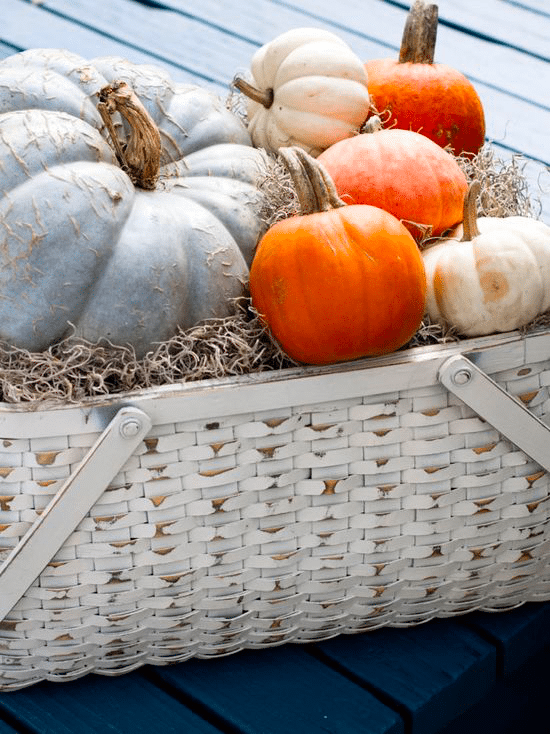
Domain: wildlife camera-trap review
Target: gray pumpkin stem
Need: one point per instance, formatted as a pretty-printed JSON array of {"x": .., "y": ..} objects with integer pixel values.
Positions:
[
  {"x": 314, "y": 186},
  {"x": 469, "y": 223},
  {"x": 140, "y": 155},
  {"x": 419, "y": 34},
  {"x": 263, "y": 97}
]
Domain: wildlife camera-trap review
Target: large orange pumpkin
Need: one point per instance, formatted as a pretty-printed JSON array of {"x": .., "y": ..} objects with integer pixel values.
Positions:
[
  {"x": 402, "y": 172},
  {"x": 414, "y": 93},
  {"x": 338, "y": 284}
]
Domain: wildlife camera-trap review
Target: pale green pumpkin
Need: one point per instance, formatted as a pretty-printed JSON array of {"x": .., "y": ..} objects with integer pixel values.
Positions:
[{"x": 84, "y": 250}]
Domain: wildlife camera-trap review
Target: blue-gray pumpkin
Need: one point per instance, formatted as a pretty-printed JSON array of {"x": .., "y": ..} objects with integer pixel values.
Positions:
[{"x": 84, "y": 249}]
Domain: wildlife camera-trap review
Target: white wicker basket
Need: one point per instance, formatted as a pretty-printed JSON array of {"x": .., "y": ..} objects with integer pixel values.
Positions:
[{"x": 204, "y": 518}]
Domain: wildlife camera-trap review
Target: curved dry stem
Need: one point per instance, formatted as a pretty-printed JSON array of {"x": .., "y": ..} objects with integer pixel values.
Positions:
[
  {"x": 314, "y": 186},
  {"x": 263, "y": 97},
  {"x": 139, "y": 156},
  {"x": 469, "y": 223}
]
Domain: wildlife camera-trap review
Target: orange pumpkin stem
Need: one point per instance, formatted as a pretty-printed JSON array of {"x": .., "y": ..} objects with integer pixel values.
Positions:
[
  {"x": 313, "y": 185},
  {"x": 419, "y": 35},
  {"x": 263, "y": 97},
  {"x": 469, "y": 223},
  {"x": 140, "y": 155}
]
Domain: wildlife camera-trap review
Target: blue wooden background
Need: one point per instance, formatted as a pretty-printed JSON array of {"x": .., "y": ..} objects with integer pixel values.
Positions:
[{"x": 478, "y": 673}]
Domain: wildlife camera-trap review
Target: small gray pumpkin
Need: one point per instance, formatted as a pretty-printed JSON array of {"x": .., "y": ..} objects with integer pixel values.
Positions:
[{"x": 87, "y": 247}]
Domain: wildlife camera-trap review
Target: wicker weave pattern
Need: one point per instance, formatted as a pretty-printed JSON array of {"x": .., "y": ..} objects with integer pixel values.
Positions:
[{"x": 288, "y": 525}]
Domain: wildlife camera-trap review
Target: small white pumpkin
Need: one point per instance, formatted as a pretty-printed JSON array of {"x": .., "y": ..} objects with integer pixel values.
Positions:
[
  {"x": 491, "y": 275},
  {"x": 309, "y": 89}
]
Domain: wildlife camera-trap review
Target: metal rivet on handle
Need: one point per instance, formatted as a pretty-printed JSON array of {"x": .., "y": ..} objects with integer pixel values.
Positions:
[
  {"x": 461, "y": 377},
  {"x": 130, "y": 427}
]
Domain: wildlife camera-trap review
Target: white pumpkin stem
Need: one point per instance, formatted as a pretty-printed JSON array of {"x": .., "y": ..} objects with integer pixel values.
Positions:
[
  {"x": 419, "y": 34},
  {"x": 314, "y": 186},
  {"x": 263, "y": 97},
  {"x": 469, "y": 223},
  {"x": 140, "y": 155}
]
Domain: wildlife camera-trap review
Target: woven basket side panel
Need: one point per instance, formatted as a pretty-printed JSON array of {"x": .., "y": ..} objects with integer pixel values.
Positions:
[{"x": 290, "y": 525}]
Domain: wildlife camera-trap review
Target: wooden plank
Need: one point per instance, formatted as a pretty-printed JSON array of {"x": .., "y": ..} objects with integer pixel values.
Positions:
[
  {"x": 164, "y": 36},
  {"x": 97, "y": 704},
  {"x": 511, "y": 25},
  {"x": 518, "y": 703},
  {"x": 518, "y": 634},
  {"x": 515, "y": 123},
  {"x": 7, "y": 50},
  {"x": 5, "y": 728},
  {"x": 31, "y": 26},
  {"x": 279, "y": 690},
  {"x": 265, "y": 19},
  {"x": 430, "y": 671},
  {"x": 534, "y": 6}
]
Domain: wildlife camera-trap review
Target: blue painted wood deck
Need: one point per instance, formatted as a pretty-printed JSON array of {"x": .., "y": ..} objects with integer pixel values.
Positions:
[{"x": 477, "y": 673}]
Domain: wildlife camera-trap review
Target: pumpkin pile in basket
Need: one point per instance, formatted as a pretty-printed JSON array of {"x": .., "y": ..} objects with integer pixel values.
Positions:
[
  {"x": 137, "y": 208},
  {"x": 340, "y": 281}
]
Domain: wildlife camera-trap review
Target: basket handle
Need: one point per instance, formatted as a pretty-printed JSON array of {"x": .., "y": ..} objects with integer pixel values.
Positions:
[
  {"x": 71, "y": 503},
  {"x": 502, "y": 410}
]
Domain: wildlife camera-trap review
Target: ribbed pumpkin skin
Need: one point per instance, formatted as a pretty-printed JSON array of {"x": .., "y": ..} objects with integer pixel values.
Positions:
[
  {"x": 339, "y": 285},
  {"x": 402, "y": 172},
  {"x": 319, "y": 88},
  {"x": 85, "y": 253},
  {"x": 432, "y": 99},
  {"x": 496, "y": 282}
]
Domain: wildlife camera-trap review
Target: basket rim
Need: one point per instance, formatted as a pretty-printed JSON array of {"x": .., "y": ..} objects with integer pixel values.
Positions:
[{"x": 226, "y": 396}]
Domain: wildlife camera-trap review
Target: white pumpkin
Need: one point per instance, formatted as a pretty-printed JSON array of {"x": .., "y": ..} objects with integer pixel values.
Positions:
[
  {"x": 309, "y": 89},
  {"x": 491, "y": 275}
]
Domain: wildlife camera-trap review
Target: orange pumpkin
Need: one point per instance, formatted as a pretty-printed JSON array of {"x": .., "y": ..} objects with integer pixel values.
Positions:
[
  {"x": 402, "y": 172},
  {"x": 338, "y": 284},
  {"x": 417, "y": 94}
]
